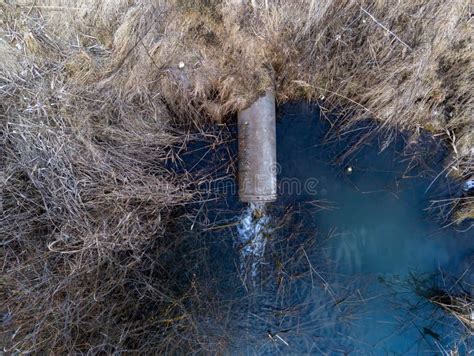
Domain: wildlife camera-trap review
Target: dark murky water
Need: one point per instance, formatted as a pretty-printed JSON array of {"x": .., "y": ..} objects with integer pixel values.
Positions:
[{"x": 350, "y": 239}]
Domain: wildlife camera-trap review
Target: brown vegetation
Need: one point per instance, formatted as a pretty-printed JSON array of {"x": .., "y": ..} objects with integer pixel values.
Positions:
[
  {"x": 456, "y": 300},
  {"x": 95, "y": 94},
  {"x": 461, "y": 307}
]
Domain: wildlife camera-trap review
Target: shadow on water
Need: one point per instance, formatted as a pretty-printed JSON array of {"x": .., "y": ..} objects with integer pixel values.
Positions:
[{"x": 350, "y": 231}]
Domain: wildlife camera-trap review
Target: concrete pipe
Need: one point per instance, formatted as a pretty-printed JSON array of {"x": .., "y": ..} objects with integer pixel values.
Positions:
[{"x": 257, "y": 151}]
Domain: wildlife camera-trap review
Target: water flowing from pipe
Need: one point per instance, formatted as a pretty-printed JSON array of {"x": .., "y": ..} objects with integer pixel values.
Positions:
[{"x": 253, "y": 231}]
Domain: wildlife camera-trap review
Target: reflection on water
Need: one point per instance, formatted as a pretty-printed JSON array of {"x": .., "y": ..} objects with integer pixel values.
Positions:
[
  {"x": 380, "y": 226},
  {"x": 331, "y": 268}
]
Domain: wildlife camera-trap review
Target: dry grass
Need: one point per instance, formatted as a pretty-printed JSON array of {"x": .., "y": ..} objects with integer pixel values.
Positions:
[
  {"x": 94, "y": 94},
  {"x": 454, "y": 305},
  {"x": 453, "y": 294},
  {"x": 461, "y": 307},
  {"x": 408, "y": 65}
]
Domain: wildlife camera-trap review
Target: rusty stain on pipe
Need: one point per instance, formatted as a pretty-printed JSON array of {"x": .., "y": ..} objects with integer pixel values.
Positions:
[{"x": 257, "y": 151}]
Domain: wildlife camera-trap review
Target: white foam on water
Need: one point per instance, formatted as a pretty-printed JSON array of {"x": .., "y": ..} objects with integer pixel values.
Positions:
[{"x": 252, "y": 229}]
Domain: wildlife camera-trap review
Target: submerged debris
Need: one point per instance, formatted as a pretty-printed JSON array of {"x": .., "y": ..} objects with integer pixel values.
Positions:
[{"x": 468, "y": 186}]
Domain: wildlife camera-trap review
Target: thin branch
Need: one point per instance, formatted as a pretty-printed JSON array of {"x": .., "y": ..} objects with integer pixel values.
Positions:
[{"x": 386, "y": 29}]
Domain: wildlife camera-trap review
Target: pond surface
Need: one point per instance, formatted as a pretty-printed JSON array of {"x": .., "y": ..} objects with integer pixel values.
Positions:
[{"x": 344, "y": 250}]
